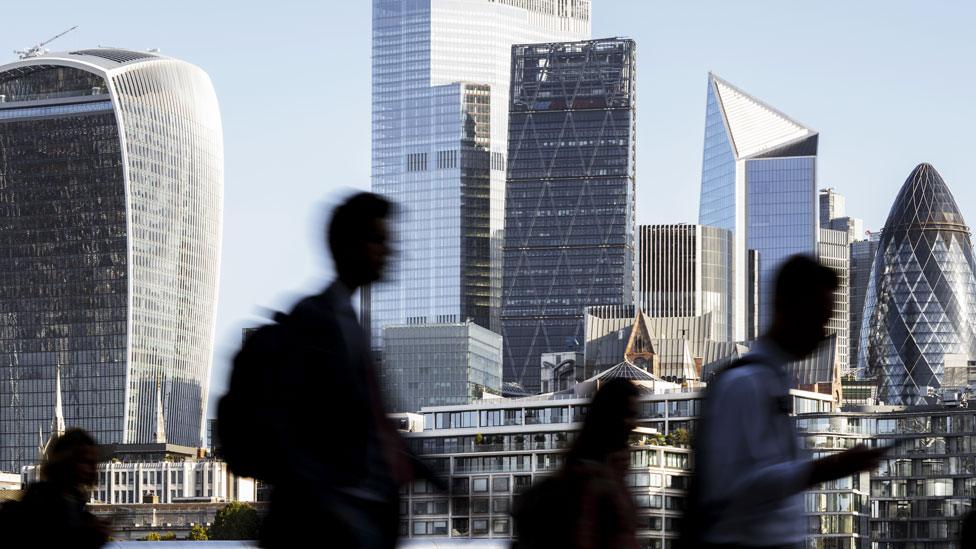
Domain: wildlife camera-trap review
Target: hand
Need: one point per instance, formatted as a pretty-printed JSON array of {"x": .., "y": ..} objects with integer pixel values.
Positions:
[{"x": 846, "y": 463}]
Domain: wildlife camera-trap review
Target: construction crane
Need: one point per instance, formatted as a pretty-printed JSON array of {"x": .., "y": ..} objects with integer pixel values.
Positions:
[{"x": 38, "y": 49}]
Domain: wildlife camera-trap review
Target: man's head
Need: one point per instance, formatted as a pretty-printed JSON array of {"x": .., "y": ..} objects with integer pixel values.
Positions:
[
  {"x": 803, "y": 303},
  {"x": 71, "y": 460},
  {"x": 358, "y": 238}
]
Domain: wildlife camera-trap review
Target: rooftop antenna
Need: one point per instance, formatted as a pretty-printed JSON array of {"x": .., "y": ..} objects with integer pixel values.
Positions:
[{"x": 38, "y": 50}]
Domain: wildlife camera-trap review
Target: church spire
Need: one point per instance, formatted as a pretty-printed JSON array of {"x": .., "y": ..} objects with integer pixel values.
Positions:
[
  {"x": 159, "y": 435},
  {"x": 57, "y": 423}
]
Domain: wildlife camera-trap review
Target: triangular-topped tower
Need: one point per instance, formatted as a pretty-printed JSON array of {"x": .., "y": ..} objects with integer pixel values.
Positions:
[
  {"x": 755, "y": 128},
  {"x": 758, "y": 181}
]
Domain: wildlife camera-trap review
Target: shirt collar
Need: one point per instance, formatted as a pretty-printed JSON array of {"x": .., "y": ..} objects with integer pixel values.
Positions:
[
  {"x": 771, "y": 352},
  {"x": 339, "y": 294}
]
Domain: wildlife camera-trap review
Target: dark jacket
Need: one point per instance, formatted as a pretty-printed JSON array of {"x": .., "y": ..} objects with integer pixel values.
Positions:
[
  {"x": 326, "y": 392},
  {"x": 50, "y": 516}
]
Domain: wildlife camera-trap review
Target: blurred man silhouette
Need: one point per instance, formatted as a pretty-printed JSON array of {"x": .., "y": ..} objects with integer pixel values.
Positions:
[
  {"x": 750, "y": 470},
  {"x": 52, "y": 512},
  {"x": 344, "y": 460},
  {"x": 587, "y": 505}
]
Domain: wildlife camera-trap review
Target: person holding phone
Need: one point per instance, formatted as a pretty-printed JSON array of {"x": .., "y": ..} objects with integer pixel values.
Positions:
[{"x": 750, "y": 470}]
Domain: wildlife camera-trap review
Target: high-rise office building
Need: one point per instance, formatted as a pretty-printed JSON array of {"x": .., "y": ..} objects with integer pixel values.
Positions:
[
  {"x": 569, "y": 210},
  {"x": 862, "y": 264},
  {"x": 833, "y": 215},
  {"x": 758, "y": 181},
  {"x": 920, "y": 308},
  {"x": 686, "y": 270},
  {"x": 441, "y": 71},
  {"x": 833, "y": 250},
  {"x": 111, "y": 185},
  {"x": 833, "y": 205},
  {"x": 439, "y": 364}
]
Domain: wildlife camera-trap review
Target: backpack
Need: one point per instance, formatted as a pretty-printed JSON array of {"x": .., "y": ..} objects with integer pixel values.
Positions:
[{"x": 248, "y": 433}]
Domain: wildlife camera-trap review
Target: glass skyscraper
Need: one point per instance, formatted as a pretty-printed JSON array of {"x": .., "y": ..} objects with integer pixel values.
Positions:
[
  {"x": 111, "y": 197},
  {"x": 920, "y": 308},
  {"x": 439, "y": 364},
  {"x": 862, "y": 263},
  {"x": 758, "y": 181},
  {"x": 441, "y": 71},
  {"x": 569, "y": 210}
]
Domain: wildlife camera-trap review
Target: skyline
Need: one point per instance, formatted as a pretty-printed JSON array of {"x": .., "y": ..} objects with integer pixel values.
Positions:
[{"x": 876, "y": 91}]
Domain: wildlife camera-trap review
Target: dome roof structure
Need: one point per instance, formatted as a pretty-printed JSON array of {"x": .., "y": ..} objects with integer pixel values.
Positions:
[{"x": 921, "y": 299}]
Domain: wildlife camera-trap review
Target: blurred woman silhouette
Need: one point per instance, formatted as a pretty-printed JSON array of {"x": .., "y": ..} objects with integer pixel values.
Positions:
[{"x": 589, "y": 492}]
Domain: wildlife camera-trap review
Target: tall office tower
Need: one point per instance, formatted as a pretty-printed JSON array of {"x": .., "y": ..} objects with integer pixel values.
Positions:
[
  {"x": 920, "y": 309},
  {"x": 111, "y": 186},
  {"x": 853, "y": 226},
  {"x": 569, "y": 211},
  {"x": 862, "y": 263},
  {"x": 441, "y": 71},
  {"x": 686, "y": 270},
  {"x": 758, "y": 181},
  {"x": 832, "y": 206},
  {"x": 833, "y": 215},
  {"x": 833, "y": 250}
]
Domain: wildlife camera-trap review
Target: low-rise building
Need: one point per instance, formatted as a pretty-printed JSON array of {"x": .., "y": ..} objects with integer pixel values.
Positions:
[
  {"x": 491, "y": 450},
  {"x": 136, "y": 521},
  {"x": 919, "y": 494},
  {"x": 439, "y": 364},
  {"x": 161, "y": 473}
]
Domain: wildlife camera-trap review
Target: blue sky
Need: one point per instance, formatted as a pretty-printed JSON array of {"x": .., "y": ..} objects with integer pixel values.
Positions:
[{"x": 888, "y": 84}]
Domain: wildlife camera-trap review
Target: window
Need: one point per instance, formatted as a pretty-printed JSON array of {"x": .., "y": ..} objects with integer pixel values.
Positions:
[
  {"x": 480, "y": 505},
  {"x": 674, "y": 460},
  {"x": 499, "y": 484},
  {"x": 479, "y": 527},
  {"x": 479, "y": 484},
  {"x": 460, "y": 485}
]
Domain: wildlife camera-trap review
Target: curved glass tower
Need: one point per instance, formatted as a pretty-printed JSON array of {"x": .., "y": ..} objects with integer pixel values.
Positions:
[
  {"x": 111, "y": 191},
  {"x": 921, "y": 293}
]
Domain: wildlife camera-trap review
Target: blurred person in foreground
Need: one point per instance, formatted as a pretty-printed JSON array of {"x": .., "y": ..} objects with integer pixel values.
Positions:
[
  {"x": 344, "y": 461},
  {"x": 52, "y": 512},
  {"x": 750, "y": 471},
  {"x": 587, "y": 504}
]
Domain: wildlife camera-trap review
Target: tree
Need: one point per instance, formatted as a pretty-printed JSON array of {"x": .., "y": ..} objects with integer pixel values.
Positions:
[
  {"x": 168, "y": 536},
  {"x": 198, "y": 533},
  {"x": 151, "y": 536},
  {"x": 678, "y": 437},
  {"x": 236, "y": 520}
]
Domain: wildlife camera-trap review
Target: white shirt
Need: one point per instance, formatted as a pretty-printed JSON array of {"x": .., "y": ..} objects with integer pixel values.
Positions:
[{"x": 756, "y": 471}]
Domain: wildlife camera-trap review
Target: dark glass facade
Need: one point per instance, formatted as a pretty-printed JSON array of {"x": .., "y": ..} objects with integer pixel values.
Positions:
[
  {"x": 63, "y": 262},
  {"x": 921, "y": 298},
  {"x": 569, "y": 210},
  {"x": 862, "y": 261},
  {"x": 111, "y": 187}
]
